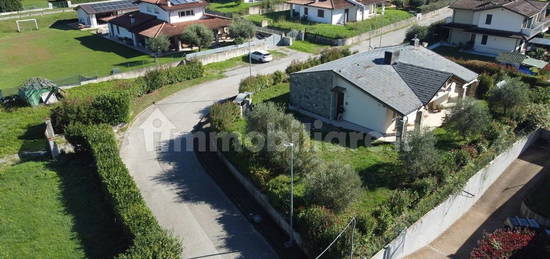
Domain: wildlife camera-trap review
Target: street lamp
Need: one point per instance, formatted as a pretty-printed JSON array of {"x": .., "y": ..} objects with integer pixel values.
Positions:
[{"x": 291, "y": 145}]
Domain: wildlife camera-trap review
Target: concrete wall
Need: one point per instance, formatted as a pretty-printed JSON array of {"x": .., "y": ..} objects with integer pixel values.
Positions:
[{"x": 439, "y": 219}]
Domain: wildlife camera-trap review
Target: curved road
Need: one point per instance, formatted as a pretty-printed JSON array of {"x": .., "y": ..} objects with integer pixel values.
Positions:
[{"x": 182, "y": 196}]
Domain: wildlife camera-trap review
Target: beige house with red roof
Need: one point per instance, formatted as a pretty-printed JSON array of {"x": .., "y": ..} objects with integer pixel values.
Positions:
[
  {"x": 334, "y": 11},
  {"x": 167, "y": 18}
]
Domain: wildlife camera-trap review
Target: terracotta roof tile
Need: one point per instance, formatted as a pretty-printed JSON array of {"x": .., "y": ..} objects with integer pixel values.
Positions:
[
  {"x": 155, "y": 28},
  {"x": 331, "y": 4}
]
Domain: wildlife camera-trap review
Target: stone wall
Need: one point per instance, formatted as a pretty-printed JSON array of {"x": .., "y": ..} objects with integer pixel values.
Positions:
[
  {"x": 312, "y": 92},
  {"x": 440, "y": 218}
]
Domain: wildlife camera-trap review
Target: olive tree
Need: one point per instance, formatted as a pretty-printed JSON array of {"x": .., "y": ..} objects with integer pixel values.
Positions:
[
  {"x": 198, "y": 35},
  {"x": 419, "y": 155},
  {"x": 509, "y": 99},
  {"x": 158, "y": 45},
  {"x": 333, "y": 185},
  {"x": 470, "y": 117},
  {"x": 241, "y": 30}
]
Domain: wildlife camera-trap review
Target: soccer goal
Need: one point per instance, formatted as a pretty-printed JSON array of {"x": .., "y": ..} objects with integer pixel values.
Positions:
[{"x": 23, "y": 24}]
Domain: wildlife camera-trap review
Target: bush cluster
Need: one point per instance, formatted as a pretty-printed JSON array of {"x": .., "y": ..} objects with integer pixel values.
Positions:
[
  {"x": 434, "y": 5},
  {"x": 112, "y": 109},
  {"x": 149, "y": 240},
  {"x": 156, "y": 79},
  {"x": 260, "y": 82},
  {"x": 500, "y": 71},
  {"x": 224, "y": 115},
  {"x": 327, "y": 55}
]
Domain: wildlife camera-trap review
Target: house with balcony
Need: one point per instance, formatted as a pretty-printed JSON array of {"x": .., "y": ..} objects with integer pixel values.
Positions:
[
  {"x": 155, "y": 18},
  {"x": 495, "y": 26},
  {"x": 334, "y": 11},
  {"x": 384, "y": 92}
]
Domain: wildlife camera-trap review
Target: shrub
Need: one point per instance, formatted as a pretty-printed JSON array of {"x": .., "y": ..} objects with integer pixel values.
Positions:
[
  {"x": 509, "y": 99},
  {"x": 541, "y": 95},
  {"x": 334, "y": 186},
  {"x": 469, "y": 117},
  {"x": 536, "y": 116},
  {"x": 419, "y": 155},
  {"x": 260, "y": 176},
  {"x": 149, "y": 240},
  {"x": 279, "y": 77},
  {"x": 224, "y": 115},
  {"x": 486, "y": 83},
  {"x": 434, "y": 5},
  {"x": 156, "y": 79},
  {"x": 421, "y": 32},
  {"x": 112, "y": 109},
  {"x": 327, "y": 55},
  {"x": 319, "y": 227},
  {"x": 502, "y": 243},
  {"x": 416, "y": 3},
  {"x": 255, "y": 83},
  {"x": 331, "y": 54}
]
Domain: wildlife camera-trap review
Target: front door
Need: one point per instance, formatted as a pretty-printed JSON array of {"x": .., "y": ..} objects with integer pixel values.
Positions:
[
  {"x": 339, "y": 105},
  {"x": 346, "y": 16}
]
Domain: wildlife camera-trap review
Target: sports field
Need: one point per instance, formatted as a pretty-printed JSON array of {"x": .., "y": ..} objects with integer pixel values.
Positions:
[{"x": 61, "y": 54}]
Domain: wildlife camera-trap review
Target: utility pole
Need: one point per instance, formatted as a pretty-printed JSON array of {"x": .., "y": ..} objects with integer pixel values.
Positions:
[
  {"x": 291, "y": 145},
  {"x": 250, "y": 57}
]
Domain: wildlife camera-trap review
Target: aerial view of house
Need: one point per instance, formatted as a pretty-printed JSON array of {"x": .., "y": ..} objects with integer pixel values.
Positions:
[
  {"x": 274, "y": 129},
  {"x": 383, "y": 89},
  {"x": 497, "y": 26},
  {"x": 164, "y": 18},
  {"x": 334, "y": 11}
]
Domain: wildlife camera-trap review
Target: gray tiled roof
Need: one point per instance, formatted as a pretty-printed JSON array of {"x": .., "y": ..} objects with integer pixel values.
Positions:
[
  {"x": 523, "y": 7},
  {"x": 423, "y": 69}
]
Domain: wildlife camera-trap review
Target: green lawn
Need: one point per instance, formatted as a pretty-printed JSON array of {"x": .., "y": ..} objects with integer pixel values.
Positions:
[
  {"x": 61, "y": 54},
  {"x": 33, "y": 4},
  {"x": 306, "y": 46},
  {"x": 282, "y": 21},
  {"x": 228, "y": 6},
  {"x": 53, "y": 210}
]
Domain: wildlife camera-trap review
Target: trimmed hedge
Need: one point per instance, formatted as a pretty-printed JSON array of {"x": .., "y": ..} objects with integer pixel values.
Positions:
[
  {"x": 156, "y": 79},
  {"x": 112, "y": 109},
  {"x": 149, "y": 240}
]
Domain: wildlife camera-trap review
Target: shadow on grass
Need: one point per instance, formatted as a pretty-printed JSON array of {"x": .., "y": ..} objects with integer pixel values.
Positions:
[
  {"x": 82, "y": 196},
  {"x": 135, "y": 63},
  {"x": 382, "y": 175},
  {"x": 98, "y": 43},
  {"x": 33, "y": 138},
  {"x": 63, "y": 24}
]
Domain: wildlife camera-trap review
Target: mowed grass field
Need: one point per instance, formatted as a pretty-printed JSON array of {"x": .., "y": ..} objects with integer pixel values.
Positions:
[
  {"x": 55, "y": 210},
  {"x": 33, "y": 4},
  {"x": 59, "y": 53}
]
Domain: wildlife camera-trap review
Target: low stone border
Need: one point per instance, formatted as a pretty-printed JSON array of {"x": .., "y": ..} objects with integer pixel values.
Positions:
[{"x": 263, "y": 201}]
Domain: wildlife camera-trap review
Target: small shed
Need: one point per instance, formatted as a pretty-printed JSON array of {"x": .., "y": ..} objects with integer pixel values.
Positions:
[{"x": 33, "y": 89}]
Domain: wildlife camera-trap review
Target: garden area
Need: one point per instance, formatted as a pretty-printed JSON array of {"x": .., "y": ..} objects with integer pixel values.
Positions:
[
  {"x": 55, "y": 210},
  {"x": 283, "y": 21},
  {"x": 384, "y": 187},
  {"x": 62, "y": 54}
]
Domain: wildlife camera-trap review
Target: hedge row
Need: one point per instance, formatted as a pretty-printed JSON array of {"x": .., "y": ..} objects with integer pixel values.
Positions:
[
  {"x": 149, "y": 240},
  {"x": 112, "y": 109},
  {"x": 156, "y": 79},
  {"x": 434, "y": 6},
  {"x": 260, "y": 82},
  {"x": 327, "y": 55}
]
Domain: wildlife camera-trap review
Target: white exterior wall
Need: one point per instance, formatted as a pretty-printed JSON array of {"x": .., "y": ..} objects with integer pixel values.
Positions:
[
  {"x": 122, "y": 32},
  {"x": 83, "y": 17},
  {"x": 175, "y": 16},
  {"x": 457, "y": 36},
  {"x": 312, "y": 14},
  {"x": 338, "y": 16},
  {"x": 495, "y": 45},
  {"x": 463, "y": 16},
  {"x": 503, "y": 20},
  {"x": 361, "y": 108},
  {"x": 154, "y": 10}
]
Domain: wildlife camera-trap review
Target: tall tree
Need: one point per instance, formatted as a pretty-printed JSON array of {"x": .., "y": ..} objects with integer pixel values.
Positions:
[
  {"x": 158, "y": 44},
  {"x": 198, "y": 35},
  {"x": 10, "y": 5},
  {"x": 510, "y": 98},
  {"x": 241, "y": 30},
  {"x": 470, "y": 117}
]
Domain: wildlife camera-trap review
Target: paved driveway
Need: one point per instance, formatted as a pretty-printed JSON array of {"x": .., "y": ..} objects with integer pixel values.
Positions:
[{"x": 182, "y": 196}]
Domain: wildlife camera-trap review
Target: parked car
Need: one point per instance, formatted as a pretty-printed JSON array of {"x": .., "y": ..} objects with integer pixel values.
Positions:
[{"x": 261, "y": 56}]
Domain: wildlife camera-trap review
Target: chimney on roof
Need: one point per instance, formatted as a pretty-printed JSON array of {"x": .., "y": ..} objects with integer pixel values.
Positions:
[
  {"x": 391, "y": 57},
  {"x": 132, "y": 19},
  {"x": 169, "y": 3},
  {"x": 415, "y": 42}
]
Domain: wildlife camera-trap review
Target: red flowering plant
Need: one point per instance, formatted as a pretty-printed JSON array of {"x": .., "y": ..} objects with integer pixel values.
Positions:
[{"x": 502, "y": 243}]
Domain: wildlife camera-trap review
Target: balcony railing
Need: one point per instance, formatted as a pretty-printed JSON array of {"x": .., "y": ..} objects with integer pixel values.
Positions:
[{"x": 536, "y": 28}]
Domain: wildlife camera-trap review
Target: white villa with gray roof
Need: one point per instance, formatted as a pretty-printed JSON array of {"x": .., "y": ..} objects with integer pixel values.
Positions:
[{"x": 384, "y": 91}]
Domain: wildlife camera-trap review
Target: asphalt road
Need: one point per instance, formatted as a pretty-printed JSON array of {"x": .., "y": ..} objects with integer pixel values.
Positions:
[{"x": 182, "y": 196}]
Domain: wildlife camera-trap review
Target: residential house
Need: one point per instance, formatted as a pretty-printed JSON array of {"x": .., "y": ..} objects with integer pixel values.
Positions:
[
  {"x": 384, "y": 91},
  {"x": 495, "y": 26},
  {"x": 97, "y": 14},
  {"x": 167, "y": 18},
  {"x": 334, "y": 11}
]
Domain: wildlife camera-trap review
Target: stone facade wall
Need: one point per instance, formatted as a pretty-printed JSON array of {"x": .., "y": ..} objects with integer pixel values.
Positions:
[{"x": 312, "y": 92}]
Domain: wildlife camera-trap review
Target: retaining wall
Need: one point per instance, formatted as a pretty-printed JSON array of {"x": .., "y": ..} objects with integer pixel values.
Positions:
[
  {"x": 262, "y": 200},
  {"x": 440, "y": 218}
]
